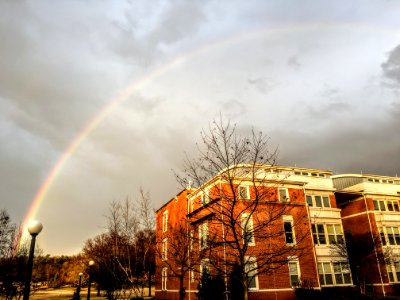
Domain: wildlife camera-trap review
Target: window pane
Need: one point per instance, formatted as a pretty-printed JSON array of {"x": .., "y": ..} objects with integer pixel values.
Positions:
[
  {"x": 382, "y": 205},
  {"x": 243, "y": 192},
  {"x": 347, "y": 278},
  {"x": 294, "y": 280},
  {"x": 293, "y": 268},
  {"x": 283, "y": 195},
  {"x": 326, "y": 201},
  {"x": 322, "y": 279},
  {"x": 390, "y": 206},
  {"x": 376, "y": 205},
  {"x": 329, "y": 229},
  {"x": 321, "y": 234},
  {"x": 338, "y": 229},
  {"x": 327, "y": 268},
  {"x": 318, "y": 201},
  {"x": 396, "y": 206},
  {"x": 309, "y": 200},
  {"x": 328, "y": 279},
  {"x": 339, "y": 278},
  {"x": 288, "y": 232}
]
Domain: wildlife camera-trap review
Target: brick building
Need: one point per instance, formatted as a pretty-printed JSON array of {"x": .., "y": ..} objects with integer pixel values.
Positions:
[
  {"x": 289, "y": 238},
  {"x": 371, "y": 217}
]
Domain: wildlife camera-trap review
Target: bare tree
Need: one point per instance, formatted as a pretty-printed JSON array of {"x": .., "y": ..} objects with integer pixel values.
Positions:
[
  {"x": 364, "y": 250},
  {"x": 131, "y": 224},
  {"x": 237, "y": 184},
  {"x": 179, "y": 257}
]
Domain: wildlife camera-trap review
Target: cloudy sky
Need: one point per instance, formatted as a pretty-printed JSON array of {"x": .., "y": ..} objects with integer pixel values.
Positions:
[{"x": 321, "y": 78}]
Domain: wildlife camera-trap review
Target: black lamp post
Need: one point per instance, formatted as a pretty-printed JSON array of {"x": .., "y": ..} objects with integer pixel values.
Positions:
[
  {"x": 79, "y": 285},
  {"x": 91, "y": 263},
  {"x": 34, "y": 228}
]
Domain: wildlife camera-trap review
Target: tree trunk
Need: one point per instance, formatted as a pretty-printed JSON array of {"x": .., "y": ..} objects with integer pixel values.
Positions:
[
  {"x": 181, "y": 288},
  {"x": 149, "y": 284},
  {"x": 245, "y": 287}
]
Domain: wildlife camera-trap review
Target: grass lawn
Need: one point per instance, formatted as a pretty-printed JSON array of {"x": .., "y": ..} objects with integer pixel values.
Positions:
[{"x": 67, "y": 294}]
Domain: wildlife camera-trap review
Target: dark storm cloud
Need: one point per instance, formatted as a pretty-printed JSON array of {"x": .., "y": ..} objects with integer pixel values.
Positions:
[
  {"x": 350, "y": 146},
  {"x": 391, "y": 68},
  {"x": 176, "y": 22}
]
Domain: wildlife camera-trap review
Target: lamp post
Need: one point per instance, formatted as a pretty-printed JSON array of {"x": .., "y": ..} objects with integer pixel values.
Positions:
[
  {"x": 79, "y": 285},
  {"x": 91, "y": 263},
  {"x": 34, "y": 228}
]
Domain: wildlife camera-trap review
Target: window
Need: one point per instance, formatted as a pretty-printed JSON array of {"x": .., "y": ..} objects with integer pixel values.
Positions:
[
  {"x": 283, "y": 194},
  {"x": 376, "y": 204},
  {"x": 318, "y": 200},
  {"x": 393, "y": 235},
  {"x": 342, "y": 273},
  {"x": 325, "y": 273},
  {"x": 337, "y": 273},
  {"x": 247, "y": 229},
  {"x": 164, "y": 276},
  {"x": 288, "y": 232},
  {"x": 203, "y": 235},
  {"x": 386, "y": 205},
  {"x": 251, "y": 271},
  {"x": 205, "y": 198},
  {"x": 294, "y": 272},
  {"x": 382, "y": 235},
  {"x": 393, "y": 271},
  {"x": 309, "y": 200},
  {"x": 164, "y": 250},
  {"x": 318, "y": 234},
  {"x": 335, "y": 233},
  {"x": 165, "y": 221},
  {"x": 243, "y": 192},
  {"x": 204, "y": 266}
]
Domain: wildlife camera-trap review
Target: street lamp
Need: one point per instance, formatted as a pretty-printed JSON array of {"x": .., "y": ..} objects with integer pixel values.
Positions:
[
  {"x": 79, "y": 285},
  {"x": 34, "y": 228},
  {"x": 91, "y": 263}
]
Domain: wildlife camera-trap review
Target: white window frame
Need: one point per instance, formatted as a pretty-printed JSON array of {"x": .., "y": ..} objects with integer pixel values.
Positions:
[
  {"x": 252, "y": 262},
  {"x": 337, "y": 231},
  {"x": 165, "y": 221},
  {"x": 294, "y": 260},
  {"x": 248, "y": 229},
  {"x": 203, "y": 235},
  {"x": 164, "y": 250},
  {"x": 164, "y": 278},
  {"x": 289, "y": 219},
  {"x": 246, "y": 189},
  {"x": 286, "y": 197},
  {"x": 322, "y": 272},
  {"x": 314, "y": 201},
  {"x": 315, "y": 225}
]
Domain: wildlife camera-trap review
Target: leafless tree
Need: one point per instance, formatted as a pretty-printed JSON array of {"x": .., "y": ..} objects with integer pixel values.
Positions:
[
  {"x": 179, "y": 257},
  {"x": 239, "y": 217},
  {"x": 364, "y": 250},
  {"x": 132, "y": 223}
]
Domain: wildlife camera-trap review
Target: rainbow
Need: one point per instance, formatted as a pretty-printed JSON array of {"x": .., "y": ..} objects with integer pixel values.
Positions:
[{"x": 137, "y": 85}]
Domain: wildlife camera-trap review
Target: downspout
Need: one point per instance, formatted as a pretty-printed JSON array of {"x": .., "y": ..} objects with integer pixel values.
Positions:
[
  {"x": 312, "y": 238},
  {"x": 376, "y": 252}
]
